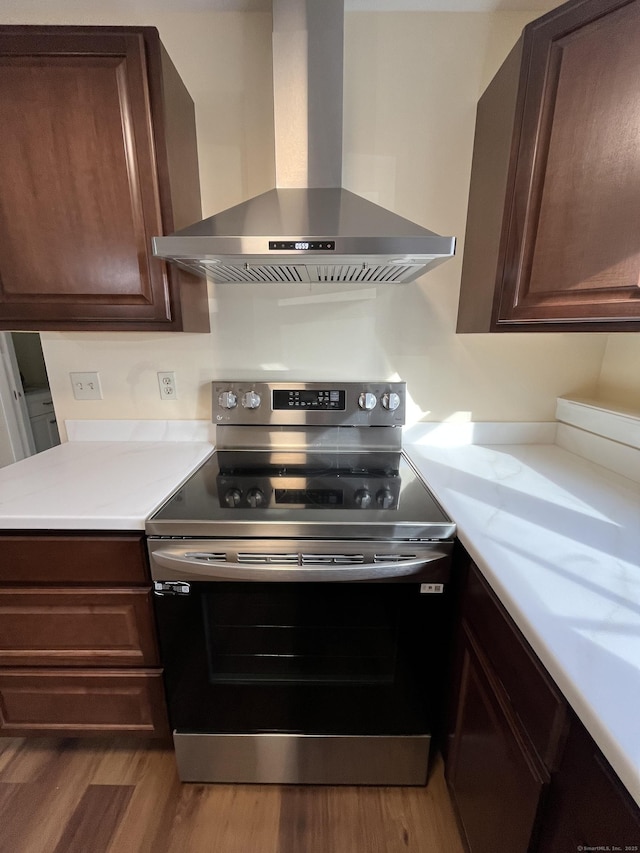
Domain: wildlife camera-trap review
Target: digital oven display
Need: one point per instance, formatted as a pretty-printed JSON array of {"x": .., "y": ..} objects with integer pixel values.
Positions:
[
  {"x": 302, "y": 245},
  {"x": 327, "y": 400},
  {"x": 309, "y": 497}
]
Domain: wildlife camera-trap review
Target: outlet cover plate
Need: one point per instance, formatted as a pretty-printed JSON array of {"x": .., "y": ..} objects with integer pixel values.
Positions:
[{"x": 167, "y": 385}]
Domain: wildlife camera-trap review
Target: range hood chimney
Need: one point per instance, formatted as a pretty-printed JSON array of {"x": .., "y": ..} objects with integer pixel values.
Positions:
[{"x": 308, "y": 229}]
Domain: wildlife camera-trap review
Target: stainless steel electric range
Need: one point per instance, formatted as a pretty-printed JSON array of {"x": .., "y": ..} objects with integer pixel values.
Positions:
[{"x": 301, "y": 587}]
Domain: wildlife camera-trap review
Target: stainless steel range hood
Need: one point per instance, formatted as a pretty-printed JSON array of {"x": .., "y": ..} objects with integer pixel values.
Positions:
[{"x": 308, "y": 229}]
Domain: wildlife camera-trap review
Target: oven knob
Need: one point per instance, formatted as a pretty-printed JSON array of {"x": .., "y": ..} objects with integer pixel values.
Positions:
[
  {"x": 255, "y": 497},
  {"x": 384, "y": 498},
  {"x": 390, "y": 401},
  {"x": 233, "y": 497},
  {"x": 227, "y": 400},
  {"x": 251, "y": 400},
  {"x": 367, "y": 401},
  {"x": 362, "y": 498}
]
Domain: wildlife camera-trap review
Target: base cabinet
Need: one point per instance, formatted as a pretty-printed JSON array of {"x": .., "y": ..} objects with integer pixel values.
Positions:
[
  {"x": 42, "y": 419},
  {"x": 588, "y": 808},
  {"x": 490, "y": 745},
  {"x": 78, "y": 649},
  {"x": 524, "y": 774}
]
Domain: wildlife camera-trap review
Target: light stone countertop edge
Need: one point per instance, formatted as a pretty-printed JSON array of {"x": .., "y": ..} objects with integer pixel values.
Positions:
[{"x": 558, "y": 539}]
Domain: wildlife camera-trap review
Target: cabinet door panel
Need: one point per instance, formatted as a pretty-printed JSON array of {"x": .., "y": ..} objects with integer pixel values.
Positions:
[
  {"x": 81, "y": 702},
  {"x": 91, "y": 168},
  {"x": 495, "y": 781},
  {"x": 45, "y": 432},
  {"x": 76, "y": 627},
  {"x": 551, "y": 242},
  {"x": 588, "y": 807},
  {"x": 80, "y": 200},
  {"x": 534, "y": 698},
  {"x": 573, "y": 250}
]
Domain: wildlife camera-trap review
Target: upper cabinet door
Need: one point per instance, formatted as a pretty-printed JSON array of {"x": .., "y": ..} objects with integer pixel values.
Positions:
[
  {"x": 89, "y": 168},
  {"x": 559, "y": 248}
]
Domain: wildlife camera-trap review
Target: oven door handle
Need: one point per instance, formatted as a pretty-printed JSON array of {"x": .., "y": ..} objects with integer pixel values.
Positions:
[{"x": 184, "y": 567}]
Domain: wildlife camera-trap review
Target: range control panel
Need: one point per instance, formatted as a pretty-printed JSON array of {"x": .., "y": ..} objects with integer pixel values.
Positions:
[{"x": 309, "y": 403}]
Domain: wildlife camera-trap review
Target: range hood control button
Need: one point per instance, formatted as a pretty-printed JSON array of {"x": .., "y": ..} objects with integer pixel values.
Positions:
[
  {"x": 390, "y": 401},
  {"x": 362, "y": 498},
  {"x": 384, "y": 498},
  {"x": 227, "y": 400},
  {"x": 255, "y": 497},
  {"x": 233, "y": 497},
  {"x": 251, "y": 400},
  {"x": 367, "y": 401}
]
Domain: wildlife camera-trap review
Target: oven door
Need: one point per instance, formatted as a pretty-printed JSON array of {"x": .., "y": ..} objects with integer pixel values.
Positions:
[{"x": 303, "y": 682}]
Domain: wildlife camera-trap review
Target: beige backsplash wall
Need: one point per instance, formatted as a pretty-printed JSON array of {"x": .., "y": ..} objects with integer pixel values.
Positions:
[
  {"x": 620, "y": 375},
  {"x": 412, "y": 81}
]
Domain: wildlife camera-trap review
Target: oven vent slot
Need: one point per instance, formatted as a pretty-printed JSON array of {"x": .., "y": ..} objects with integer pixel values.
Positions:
[
  {"x": 393, "y": 558},
  {"x": 265, "y": 559},
  {"x": 331, "y": 559},
  {"x": 207, "y": 556}
]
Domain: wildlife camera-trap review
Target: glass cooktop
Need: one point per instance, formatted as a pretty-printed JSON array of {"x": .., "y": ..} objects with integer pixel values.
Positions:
[{"x": 271, "y": 493}]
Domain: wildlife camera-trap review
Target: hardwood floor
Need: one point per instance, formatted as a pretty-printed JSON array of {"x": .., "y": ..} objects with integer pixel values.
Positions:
[{"x": 116, "y": 796}]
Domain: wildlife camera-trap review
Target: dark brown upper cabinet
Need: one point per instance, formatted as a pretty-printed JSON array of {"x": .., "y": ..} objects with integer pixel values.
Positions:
[
  {"x": 553, "y": 228},
  {"x": 97, "y": 155}
]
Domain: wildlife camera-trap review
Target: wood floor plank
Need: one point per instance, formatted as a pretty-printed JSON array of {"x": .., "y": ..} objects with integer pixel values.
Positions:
[
  {"x": 23, "y": 760},
  {"x": 146, "y": 825},
  {"x": 229, "y": 818},
  {"x": 95, "y": 819},
  {"x": 369, "y": 820},
  {"x": 56, "y": 794},
  {"x": 9, "y": 746},
  {"x": 16, "y": 812},
  {"x": 126, "y": 761},
  {"x": 124, "y": 796}
]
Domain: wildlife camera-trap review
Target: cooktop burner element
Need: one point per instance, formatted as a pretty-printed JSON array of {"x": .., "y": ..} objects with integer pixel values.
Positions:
[{"x": 347, "y": 480}]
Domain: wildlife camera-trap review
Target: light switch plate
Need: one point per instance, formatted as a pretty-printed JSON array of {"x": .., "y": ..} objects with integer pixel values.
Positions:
[{"x": 86, "y": 386}]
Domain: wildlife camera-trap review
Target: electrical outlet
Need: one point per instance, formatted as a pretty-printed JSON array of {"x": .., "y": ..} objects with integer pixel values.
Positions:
[
  {"x": 86, "y": 386},
  {"x": 167, "y": 384}
]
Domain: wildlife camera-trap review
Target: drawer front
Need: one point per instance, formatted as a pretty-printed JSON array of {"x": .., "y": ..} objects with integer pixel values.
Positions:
[
  {"x": 76, "y": 627},
  {"x": 86, "y": 559},
  {"x": 534, "y": 697},
  {"x": 82, "y": 702}
]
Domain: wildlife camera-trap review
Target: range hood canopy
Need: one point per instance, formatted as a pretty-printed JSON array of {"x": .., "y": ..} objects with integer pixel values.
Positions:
[{"x": 308, "y": 229}]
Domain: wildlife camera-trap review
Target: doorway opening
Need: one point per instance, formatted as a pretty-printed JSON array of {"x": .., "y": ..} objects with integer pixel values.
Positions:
[{"x": 27, "y": 417}]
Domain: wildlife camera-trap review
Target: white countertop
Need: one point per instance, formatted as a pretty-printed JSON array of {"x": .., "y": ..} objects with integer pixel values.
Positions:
[
  {"x": 95, "y": 485},
  {"x": 558, "y": 539}
]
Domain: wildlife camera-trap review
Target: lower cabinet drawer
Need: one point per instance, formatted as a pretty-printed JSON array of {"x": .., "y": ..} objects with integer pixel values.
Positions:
[
  {"x": 76, "y": 627},
  {"x": 74, "y": 558},
  {"x": 82, "y": 702}
]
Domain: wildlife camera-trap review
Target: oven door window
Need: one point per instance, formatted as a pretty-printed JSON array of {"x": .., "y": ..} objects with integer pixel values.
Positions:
[
  {"x": 255, "y": 637},
  {"x": 313, "y": 658}
]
